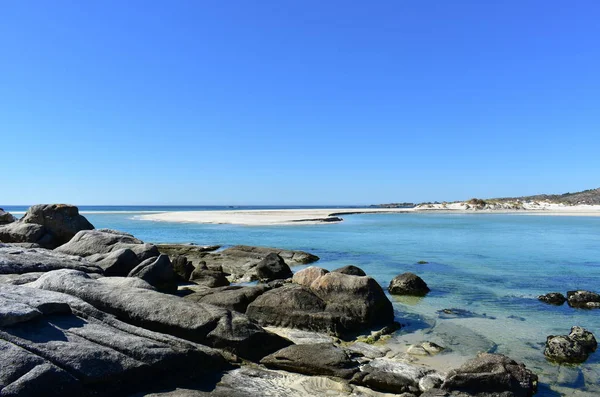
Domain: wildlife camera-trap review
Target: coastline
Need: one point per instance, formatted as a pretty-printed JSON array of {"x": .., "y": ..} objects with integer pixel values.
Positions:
[{"x": 335, "y": 215}]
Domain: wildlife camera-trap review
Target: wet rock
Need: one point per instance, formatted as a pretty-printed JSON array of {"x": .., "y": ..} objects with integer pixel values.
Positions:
[
  {"x": 17, "y": 260},
  {"x": 182, "y": 267},
  {"x": 63, "y": 221},
  {"x": 318, "y": 359},
  {"x": 553, "y": 298},
  {"x": 6, "y": 217},
  {"x": 157, "y": 272},
  {"x": 408, "y": 284},
  {"x": 306, "y": 276},
  {"x": 573, "y": 348},
  {"x": 583, "y": 299},
  {"x": 350, "y": 270},
  {"x": 425, "y": 349},
  {"x": 492, "y": 373},
  {"x": 197, "y": 322},
  {"x": 461, "y": 313},
  {"x": 273, "y": 267},
  {"x": 236, "y": 298},
  {"x": 390, "y": 376}
]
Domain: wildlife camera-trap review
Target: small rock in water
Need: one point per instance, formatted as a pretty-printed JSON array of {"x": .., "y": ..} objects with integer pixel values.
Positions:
[
  {"x": 425, "y": 349},
  {"x": 461, "y": 313},
  {"x": 273, "y": 267},
  {"x": 422, "y": 262},
  {"x": 351, "y": 270},
  {"x": 583, "y": 299},
  {"x": 553, "y": 298},
  {"x": 408, "y": 284},
  {"x": 574, "y": 348}
]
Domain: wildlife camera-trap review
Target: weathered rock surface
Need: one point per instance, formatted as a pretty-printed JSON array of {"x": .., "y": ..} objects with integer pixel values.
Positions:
[
  {"x": 117, "y": 263},
  {"x": 492, "y": 373},
  {"x": 235, "y": 297},
  {"x": 202, "y": 323},
  {"x": 193, "y": 253},
  {"x": 314, "y": 359},
  {"x": 103, "y": 241},
  {"x": 6, "y": 217},
  {"x": 19, "y": 232},
  {"x": 158, "y": 272},
  {"x": 350, "y": 270},
  {"x": 182, "y": 267},
  {"x": 273, "y": 267},
  {"x": 408, "y": 284},
  {"x": 583, "y": 299},
  {"x": 240, "y": 261},
  {"x": 553, "y": 298},
  {"x": 61, "y": 220},
  {"x": 573, "y": 348},
  {"x": 17, "y": 260},
  {"x": 65, "y": 347},
  {"x": 391, "y": 376},
  {"x": 306, "y": 276},
  {"x": 211, "y": 278},
  {"x": 336, "y": 303}
]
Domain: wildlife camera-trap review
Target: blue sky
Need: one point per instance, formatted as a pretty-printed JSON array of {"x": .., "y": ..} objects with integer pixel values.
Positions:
[{"x": 297, "y": 102}]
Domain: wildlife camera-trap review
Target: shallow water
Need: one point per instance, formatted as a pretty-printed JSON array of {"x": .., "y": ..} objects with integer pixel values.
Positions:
[{"x": 490, "y": 265}]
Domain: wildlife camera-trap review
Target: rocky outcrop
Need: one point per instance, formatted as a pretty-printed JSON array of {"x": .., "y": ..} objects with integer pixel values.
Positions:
[
  {"x": 313, "y": 359},
  {"x": 306, "y": 276},
  {"x": 553, "y": 298},
  {"x": 573, "y": 348},
  {"x": 235, "y": 297},
  {"x": 583, "y": 299},
  {"x": 334, "y": 302},
  {"x": 196, "y": 322},
  {"x": 194, "y": 253},
  {"x": 61, "y": 220},
  {"x": 158, "y": 272},
  {"x": 492, "y": 373},
  {"x": 97, "y": 244},
  {"x": 240, "y": 261},
  {"x": 182, "y": 267},
  {"x": 52, "y": 344},
  {"x": 273, "y": 267},
  {"x": 17, "y": 260},
  {"x": 6, "y": 217},
  {"x": 211, "y": 278},
  {"x": 350, "y": 270},
  {"x": 116, "y": 263},
  {"x": 408, "y": 284},
  {"x": 18, "y": 232},
  {"x": 395, "y": 377}
]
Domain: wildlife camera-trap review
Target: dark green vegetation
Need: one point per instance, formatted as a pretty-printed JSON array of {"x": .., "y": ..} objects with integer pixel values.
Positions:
[{"x": 591, "y": 197}]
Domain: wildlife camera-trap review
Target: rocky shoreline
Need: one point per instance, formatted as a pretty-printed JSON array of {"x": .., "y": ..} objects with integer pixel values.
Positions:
[{"x": 98, "y": 312}]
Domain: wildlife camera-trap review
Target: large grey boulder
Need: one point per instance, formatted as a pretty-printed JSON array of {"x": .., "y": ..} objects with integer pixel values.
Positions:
[
  {"x": 351, "y": 270},
  {"x": 211, "y": 278},
  {"x": 583, "y": 299},
  {"x": 193, "y": 253},
  {"x": 408, "y": 284},
  {"x": 116, "y": 263},
  {"x": 68, "y": 348},
  {"x": 157, "y": 272},
  {"x": 334, "y": 302},
  {"x": 234, "y": 297},
  {"x": 240, "y": 261},
  {"x": 63, "y": 221},
  {"x": 182, "y": 267},
  {"x": 492, "y": 373},
  {"x": 273, "y": 267},
  {"x": 6, "y": 217},
  {"x": 93, "y": 242},
  {"x": 390, "y": 376},
  {"x": 197, "y": 322},
  {"x": 19, "y": 232},
  {"x": 574, "y": 348},
  {"x": 17, "y": 260},
  {"x": 313, "y": 359}
]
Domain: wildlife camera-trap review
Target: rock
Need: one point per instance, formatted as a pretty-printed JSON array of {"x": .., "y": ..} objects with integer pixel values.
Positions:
[
  {"x": 197, "y": 322},
  {"x": 492, "y": 373},
  {"x": 408, "y": 284},
  {"x": 157, "y": 272},
  {"x": 350, "y": 270},
  {"x": 18, "y": 232},
  {"x": 6, "y": 217},
  {"x": 236, "y": 298},
  {"x": 431, "y": 381},
  {"x": 80, "y": 351},
  {"x": 335, "y": 303},
  {"x": 367, "y": 350},
  {"x": 307, "y": 276},
  {"x": 240, "y": 261},
  {"x": 425, "y": 349},
  {"x": 573, "y": 348},
  {"x": 208, "y": 278},
  {"x": 61, "y": 220},
  {"x": 16, "y": 260},
  {"x": 553, "y": 298},
  {"x": 182, "y": 267},
  {"x": 273, "y": 267},
  {"x": 117, "y": 263},
  {"x": 91, "y": 242},
  {"x": 390, "y": 376},
  {"x": 193, "y": 253},
  {"x": 580, "y": 299},
  {"x": 318, "y": 359}
]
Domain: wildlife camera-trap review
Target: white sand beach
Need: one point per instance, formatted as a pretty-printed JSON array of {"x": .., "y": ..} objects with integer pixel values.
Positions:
[{"x": 335, "y": 215}]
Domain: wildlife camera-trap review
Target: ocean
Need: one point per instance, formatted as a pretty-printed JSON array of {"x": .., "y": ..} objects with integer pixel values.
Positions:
[{"x": 488, "y": 268}]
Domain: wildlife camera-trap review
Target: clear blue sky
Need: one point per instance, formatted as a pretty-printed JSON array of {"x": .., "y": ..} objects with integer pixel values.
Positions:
[{"x": 297, "y": 102}]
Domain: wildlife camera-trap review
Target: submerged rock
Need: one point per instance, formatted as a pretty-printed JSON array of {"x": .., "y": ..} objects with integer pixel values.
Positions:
[
  {"x": 273, "y": 267},
  {"x": 583, "y": 299},
  {"x": 573, "y": 348},
  {"x": 63, "y": 221},
  {"x": 408, "y": 284},
  {"x": 350, "y": 270},
  {"x": 553, "y": 298}
]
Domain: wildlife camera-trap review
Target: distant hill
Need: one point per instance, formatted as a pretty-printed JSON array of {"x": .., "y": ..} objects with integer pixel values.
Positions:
[{"x": 591, "y": 196}]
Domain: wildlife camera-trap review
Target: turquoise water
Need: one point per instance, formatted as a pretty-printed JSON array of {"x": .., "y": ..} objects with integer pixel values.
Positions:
[{"x": 489, "y": 264}]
